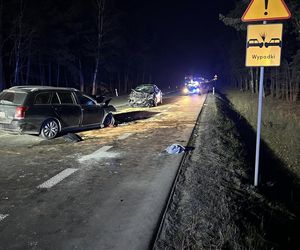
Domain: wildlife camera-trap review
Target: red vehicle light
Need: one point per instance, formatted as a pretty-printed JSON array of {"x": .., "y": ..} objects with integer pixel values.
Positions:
[{"x": 20, "y": 112}]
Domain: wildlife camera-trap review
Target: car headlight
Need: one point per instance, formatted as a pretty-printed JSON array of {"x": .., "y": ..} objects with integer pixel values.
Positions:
[{"x": 185, "y": 90}]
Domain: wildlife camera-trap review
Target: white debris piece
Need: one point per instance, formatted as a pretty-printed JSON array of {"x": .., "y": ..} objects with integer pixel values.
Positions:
[{"x": 3, "y": 216}]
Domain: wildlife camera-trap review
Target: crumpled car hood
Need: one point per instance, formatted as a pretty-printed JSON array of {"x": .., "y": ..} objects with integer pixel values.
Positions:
[{"x": 140, "y": 99}]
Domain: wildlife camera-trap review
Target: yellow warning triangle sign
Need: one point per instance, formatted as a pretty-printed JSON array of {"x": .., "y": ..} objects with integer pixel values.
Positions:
[{"x": 265, "y": 10}]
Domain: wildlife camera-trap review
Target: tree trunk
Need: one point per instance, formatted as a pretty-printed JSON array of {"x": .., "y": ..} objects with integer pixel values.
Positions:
[
  {"x": 252, "y": 80},
  {"x": 277, "y": 87},
  {"x": 41, "y": 71},
  {"x": 256, "y": 80},
  {"x": 126, "y": 82},
  {"x": 286, "y": 86},
  {"x": 17, "y": 60},
  {"x": 297, "y": 89},
  {"x": 81, "y": 80},
  {"x": 94, "y": 88},
  {"x": 119, "y": 83},
  {"x": 272, "y": 94},
  {"x": 2, "y": 82},
  {"x": 66, "y": 78},
  {"x": 49, "y": 74},
  {"x": 57, "y": 75},
  {"x": 28, "y": 64},
  {"x": 18, "y": 44},
  {"x": 100, "y": 22}
]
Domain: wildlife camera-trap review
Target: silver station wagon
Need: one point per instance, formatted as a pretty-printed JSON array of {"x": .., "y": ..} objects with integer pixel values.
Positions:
[{"x": 47, "y": 111}]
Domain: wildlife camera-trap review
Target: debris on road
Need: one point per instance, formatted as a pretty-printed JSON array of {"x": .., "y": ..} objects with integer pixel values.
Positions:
[
  {"x": 175, "y": 149},
  {"x": 71, "y": 137}
]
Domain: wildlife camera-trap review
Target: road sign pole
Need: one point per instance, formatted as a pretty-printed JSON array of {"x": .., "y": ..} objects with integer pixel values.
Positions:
[
  {"x": 259, "y": 115},
  {"x": 259, "y": 10}
]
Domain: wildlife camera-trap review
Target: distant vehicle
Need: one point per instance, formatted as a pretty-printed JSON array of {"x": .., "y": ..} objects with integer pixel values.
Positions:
[
  {"x": 274, "y": 42},
  {"x": 192, "y": 88},
  {"x": 47, "y": 111},
  {"x": 193, "y": 84},
  {"x": 254, "y": 43},
  {"x": 145, "y": 95}
]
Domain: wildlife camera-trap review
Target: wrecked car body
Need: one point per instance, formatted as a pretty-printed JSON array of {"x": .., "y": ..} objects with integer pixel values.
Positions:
[{"x": 145, "y": 95}]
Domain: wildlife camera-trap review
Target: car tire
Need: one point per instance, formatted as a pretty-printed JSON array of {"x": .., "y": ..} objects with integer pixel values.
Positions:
[
  {"x": 109, "y": 120},
  {"x": 154, "y": 103},
  {"x": 49, "y": 129}
]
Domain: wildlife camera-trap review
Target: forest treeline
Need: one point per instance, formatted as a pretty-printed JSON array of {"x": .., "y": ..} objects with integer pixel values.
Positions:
[
  {"x": 280, "y": 82},
  {"x": 91, "y": 45}
]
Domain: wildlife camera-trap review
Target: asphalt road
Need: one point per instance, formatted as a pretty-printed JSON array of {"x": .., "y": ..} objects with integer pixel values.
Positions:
[{"x": 105, "y": 192}]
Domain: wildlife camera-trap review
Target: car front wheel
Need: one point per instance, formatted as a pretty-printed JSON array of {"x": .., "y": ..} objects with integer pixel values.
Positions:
[
  {"x": 154, "y": 103},
  {"x": 49, "y": 129},
  {"x": 109, "y": 120}
]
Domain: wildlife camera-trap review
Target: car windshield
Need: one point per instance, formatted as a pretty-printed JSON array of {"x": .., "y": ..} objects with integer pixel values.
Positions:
[
  {"x": 145, "y": 88},
  {"x": 12, "y": 98}
]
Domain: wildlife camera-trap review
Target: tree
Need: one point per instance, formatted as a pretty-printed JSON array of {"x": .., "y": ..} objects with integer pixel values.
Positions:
[{"x": 2, "y": 83}]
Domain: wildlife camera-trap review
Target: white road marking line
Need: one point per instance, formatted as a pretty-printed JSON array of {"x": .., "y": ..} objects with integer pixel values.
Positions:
[
  {"x": 125, "y": 136},
  {"x": 57, "y": 178},
  {"x": 96, "y": 155},
  {"x": 3, "y": 216}
]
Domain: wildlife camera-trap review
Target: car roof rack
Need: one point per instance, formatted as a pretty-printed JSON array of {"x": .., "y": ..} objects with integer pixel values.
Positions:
[{"x": 39, "y": 87}]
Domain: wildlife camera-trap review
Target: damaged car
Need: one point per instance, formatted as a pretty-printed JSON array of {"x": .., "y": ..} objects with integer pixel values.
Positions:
[
  {"x": 145, "y": 95},
  {"x": 47, "y": 111}
]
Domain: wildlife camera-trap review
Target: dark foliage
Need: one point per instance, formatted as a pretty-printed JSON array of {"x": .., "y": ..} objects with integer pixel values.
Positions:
[{"x": 71, "y": 43}]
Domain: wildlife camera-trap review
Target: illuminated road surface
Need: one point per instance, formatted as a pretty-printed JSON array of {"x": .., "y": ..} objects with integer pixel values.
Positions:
[{"x": 105, "y": 192}]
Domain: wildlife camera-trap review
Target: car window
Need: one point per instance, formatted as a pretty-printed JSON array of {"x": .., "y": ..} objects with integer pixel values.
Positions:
[
  {"x": 145, "y": 88},
  {"x": 65, "y": 97},
  {"x": 55, "y": 99},
  {"x": 12, "y": 98},
  {"x": 42, "y": 98},
  {"x": 85, "y": 100}
]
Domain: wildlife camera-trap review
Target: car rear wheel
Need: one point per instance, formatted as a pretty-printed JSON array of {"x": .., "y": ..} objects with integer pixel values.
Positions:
[
  {"x": 109, "y": 120},
  {"x": 49, "y": 129}
]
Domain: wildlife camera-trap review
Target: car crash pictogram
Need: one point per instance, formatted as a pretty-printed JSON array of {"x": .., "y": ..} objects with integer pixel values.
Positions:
[
  {"x": 274, "y": 42},
  {"x": 254, "y": 43}
]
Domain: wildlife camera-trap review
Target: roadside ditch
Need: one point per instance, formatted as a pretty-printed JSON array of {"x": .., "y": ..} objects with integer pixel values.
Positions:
[{"x": 215, "y": 206}]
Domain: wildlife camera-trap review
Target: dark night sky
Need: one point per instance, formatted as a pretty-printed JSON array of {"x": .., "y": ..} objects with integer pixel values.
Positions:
[{"x": 188, "y": 34}]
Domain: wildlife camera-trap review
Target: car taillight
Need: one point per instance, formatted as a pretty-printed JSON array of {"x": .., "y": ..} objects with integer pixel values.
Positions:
[{"x": 20, "y": 112}]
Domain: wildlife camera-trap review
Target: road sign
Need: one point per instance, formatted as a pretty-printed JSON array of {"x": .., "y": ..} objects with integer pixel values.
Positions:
[
  {"x": 264, "y": 43},
  {"x": 266, "y": 10}
]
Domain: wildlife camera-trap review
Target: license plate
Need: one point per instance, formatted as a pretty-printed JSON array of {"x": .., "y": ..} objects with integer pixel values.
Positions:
[{"x": 2, "y": 115}]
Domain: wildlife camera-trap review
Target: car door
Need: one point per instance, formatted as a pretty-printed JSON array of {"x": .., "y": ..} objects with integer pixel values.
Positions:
[
  {"x": 66, "y": 108},
  {"x": 92, "y": 112}
]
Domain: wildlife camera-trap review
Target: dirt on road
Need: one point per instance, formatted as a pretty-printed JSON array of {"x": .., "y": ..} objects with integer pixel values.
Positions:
[{"x": 215, "y": 205}]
